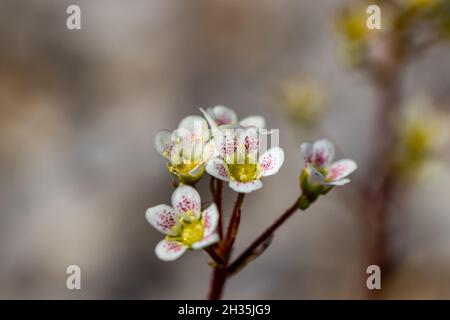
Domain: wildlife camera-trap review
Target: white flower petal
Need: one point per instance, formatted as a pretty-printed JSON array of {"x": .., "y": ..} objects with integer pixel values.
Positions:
[
  {"x": 232, "y": 140},
  {"x": 197, "y": 171},
  {"x": 307, "y": 153},
  {"x": 163, "y": 143},
  {"x": 253, "y": 121},
  {"x": 225, "y": 139},
  {"x": 271, "y": 161},
  {"x": 176, "y": 154},
  {"x": 196, "y": 126},
  {"x": 191, "y": 123},
  {"x": 209, "y": 151},
  {"x": 217, "y": 168},
  {"x": 323, "y": 153},
  {"x": 206, "y": 241},
  {"x": 222, "y": 115},
  {"x": 315, "y": 177},
  {"x": 338, "y": 182},
  {"x": 245, "y": 187},
  {"x": 186, "y": 198},
  {"x": 163, "y": 218},
  {"x": 212, "y": 123},
  {"x": 341, "y": 169},
  {"x": 167, "y": 250},
  {"x": 210, "y": 217},
  {"x": 250, "y": 139}
]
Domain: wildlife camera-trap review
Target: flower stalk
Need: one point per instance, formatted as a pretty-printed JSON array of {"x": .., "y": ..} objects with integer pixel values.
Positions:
[
  {"x": 216, "y": 187},
  {"x": 231, "y": 153},
  {"x": 222, "y": 272},
  {"x": 267, "y": 234}
]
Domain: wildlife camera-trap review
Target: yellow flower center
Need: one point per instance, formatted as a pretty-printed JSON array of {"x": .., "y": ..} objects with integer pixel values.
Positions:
[
  {"x": 244, "y": 172},
  {"x": 190, "y": 230},
  {"x": 181, "y": 169}
]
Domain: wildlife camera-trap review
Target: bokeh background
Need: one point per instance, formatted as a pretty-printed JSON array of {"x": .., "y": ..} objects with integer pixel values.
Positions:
[{"x": 79, "y": 110}]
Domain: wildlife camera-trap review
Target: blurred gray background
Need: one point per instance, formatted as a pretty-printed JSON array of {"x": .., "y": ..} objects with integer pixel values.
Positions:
[{"x": 79, "y": 110}]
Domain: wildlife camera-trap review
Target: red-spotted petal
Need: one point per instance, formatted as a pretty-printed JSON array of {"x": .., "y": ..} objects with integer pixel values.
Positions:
[
  {"x": 307, "y": 153},
  {"x": 271, "y": 161},
  {"x": 168, "y": 250},
  {"x": 226, "y": 140},
  {"x": 206, "y": 241},
  {"x": 341, "y": 169},
  {"x": 217, "y": 168},
  {"x": 323, "y": 153},
  {"x": 250, "y": 139},
  {"x": 235, "y": 141},
  {"x": 186, "y": 198},
  {"x": 222, "y": 115},
  {"x": 163, "y": 218},
  {"x": 245, "y": 187},
  {"x": 163, "y": 143},
  {"x": 210, "y": 217}
]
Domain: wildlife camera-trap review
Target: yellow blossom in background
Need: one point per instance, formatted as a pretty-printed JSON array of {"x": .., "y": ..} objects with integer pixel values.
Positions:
[
  {"x": 422, "y": 133},
  {"x": 303, "y": 101},
  {"x": 420, "y": 3},
  {"x": 351, "y": 25}
]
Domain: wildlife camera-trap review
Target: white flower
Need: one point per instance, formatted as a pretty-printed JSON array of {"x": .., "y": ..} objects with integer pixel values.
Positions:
[
  {"x": 239, "y": 162},
  {"x": 185, "y": 226},
  {"x": 221, "y": 115},
  {"x": 187, "y": 148},
  {"x": 318, "y": 157}
]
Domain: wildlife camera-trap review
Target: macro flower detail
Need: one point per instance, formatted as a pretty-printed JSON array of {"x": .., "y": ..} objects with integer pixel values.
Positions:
[
  {"x": 183, "y": 223},
  {"x": 320, "y": 174},
  {"x": 221, "y": 115},
  {"x": 238, "y": 162},
  {"x": 187, "y": 148}
]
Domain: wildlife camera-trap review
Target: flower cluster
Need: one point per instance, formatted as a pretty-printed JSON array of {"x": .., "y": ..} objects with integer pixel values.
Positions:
[
  {"x": 320, "y": 174},
  {"x": 187, "y": 148},
  {"x": 229, "y": 150},
  {"x": 221, "y": 115},
  {"x": 184, "y": 224},
  {"x": 232, "y": 151},
  {"x": 415, "y": 24}
]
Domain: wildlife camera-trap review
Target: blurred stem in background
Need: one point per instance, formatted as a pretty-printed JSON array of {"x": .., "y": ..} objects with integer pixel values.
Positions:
[{"x": 409, "y": 28}]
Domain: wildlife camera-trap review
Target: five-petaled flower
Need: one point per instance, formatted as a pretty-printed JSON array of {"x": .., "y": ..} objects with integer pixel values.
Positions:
[
  {"x": 187, "y": 148},
  {"x": 185, "y": 225},
  {"x": 239, "y": 161},
  {"x": 221, "y": 115},
  {"x": 320, "y": 174}
]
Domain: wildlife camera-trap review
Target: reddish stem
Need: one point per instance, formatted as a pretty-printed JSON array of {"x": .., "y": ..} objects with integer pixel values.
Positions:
[
  {"x": 218, "y": 201},
  {"x": 220, "y": 273},
  {"x": 262, "y": 238}
]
